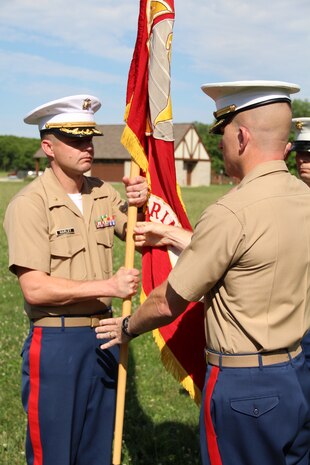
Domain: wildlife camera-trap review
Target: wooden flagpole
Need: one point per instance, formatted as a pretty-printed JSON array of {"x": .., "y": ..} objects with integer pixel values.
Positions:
[{"x": 126, "y": 310}]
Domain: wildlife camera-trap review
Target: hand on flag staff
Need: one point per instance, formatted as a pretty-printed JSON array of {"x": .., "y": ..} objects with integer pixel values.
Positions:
[{"x": 136, "y": 190}]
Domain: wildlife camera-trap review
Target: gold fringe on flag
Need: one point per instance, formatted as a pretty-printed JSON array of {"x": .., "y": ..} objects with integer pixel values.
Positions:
[
  {"x": 134, "y": 147},
  {"x": 172, "y": 365},
  {"x": 175, "y": 368},
  {"x": 180, "y": 196}
]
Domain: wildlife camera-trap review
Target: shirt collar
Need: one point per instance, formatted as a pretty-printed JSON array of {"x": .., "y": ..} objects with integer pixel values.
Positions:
[
  {"x": 57, "y": 196},
  {"x": 262, "y": 169}
]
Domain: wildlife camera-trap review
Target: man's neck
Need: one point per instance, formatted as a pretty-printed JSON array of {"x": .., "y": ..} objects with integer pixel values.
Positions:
[
  {"x": 258, "y": 159},
  {"x": 71, "y": 184}
]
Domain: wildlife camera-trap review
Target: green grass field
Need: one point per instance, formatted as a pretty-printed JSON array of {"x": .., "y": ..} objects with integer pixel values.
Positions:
[{"x": 161, "y": 421}]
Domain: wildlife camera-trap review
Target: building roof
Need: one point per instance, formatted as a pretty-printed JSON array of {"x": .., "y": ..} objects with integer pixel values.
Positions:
[{"x": 109, "y": 146}]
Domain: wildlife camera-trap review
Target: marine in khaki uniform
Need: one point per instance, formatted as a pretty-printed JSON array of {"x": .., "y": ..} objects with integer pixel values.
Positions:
[
  {"x": 301, "y": 146},
  {"x": 249, "y": 258},
  {"x": 60, "y": 231}
]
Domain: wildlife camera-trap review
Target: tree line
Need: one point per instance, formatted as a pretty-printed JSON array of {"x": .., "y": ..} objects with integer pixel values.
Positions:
[{"x": 16, "y": 153}]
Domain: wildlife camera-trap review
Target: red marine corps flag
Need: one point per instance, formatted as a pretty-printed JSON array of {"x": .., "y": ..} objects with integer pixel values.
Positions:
[{"x": 148, "y": 136}]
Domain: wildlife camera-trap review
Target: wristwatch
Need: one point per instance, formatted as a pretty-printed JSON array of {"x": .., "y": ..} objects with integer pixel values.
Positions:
[{"x": 125, "y": 324}]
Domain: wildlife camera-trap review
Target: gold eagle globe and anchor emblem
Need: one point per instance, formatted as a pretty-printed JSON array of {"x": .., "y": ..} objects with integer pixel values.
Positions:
[{"x": 86, "y": 104}]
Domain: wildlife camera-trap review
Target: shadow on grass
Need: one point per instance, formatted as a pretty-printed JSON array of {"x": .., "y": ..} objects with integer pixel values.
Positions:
[{"x": 156, "y": 444}]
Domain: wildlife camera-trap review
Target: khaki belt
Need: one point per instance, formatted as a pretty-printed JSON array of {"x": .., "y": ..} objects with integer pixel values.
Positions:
[
  {"x": 251, "y": 360},
  {"x": 70, "y": 321}
]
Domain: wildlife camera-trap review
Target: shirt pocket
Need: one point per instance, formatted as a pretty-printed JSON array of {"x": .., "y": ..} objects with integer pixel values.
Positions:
[
  {"x": 105, "y": 241},
  {"x": 68, "y": 257}
]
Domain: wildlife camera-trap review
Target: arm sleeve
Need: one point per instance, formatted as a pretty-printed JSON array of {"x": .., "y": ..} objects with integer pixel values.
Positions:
[
  {"x": 26, "y": 227},
  {"x": 217, "y": 242}
]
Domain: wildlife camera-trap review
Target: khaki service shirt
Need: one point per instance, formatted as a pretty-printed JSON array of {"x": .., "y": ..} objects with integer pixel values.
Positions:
[
  {"x": 250, "y": 257},
  {"x": 47, "y": 232}
]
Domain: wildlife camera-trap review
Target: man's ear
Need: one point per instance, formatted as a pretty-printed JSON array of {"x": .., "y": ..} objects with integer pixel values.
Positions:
[
  {"x": 243, "y": 138},
  {"x": 287, "y": 150},
  {"x": 47, "y": 147}
]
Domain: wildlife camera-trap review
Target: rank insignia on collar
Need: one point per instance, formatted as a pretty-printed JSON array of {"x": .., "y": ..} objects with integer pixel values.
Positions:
[{"x": 105, "y": 221}]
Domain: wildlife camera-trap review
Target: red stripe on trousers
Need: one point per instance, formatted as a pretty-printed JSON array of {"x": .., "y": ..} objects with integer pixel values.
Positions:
[
  {"x": 33, "y": 403},
  {"x": 213, "y": 450}
]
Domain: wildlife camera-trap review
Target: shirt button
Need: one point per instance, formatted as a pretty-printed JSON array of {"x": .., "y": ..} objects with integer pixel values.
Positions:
[{"x": 256, "y": 411}]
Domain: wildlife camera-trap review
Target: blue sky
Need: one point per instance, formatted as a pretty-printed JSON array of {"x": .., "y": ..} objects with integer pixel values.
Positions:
[{"x": 51, "y": 49}]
